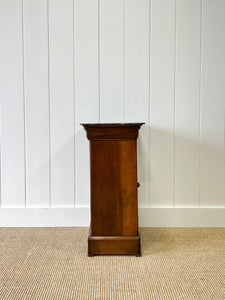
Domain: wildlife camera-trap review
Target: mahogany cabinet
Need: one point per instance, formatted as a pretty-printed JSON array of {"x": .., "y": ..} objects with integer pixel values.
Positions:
[{"x": 113, "y": 173}]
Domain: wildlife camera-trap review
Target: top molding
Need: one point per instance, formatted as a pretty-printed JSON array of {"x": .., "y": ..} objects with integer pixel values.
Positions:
[{"x": 112, "y": 131}]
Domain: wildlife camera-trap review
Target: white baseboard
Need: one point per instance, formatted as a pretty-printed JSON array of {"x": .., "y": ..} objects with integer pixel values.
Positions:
[
  {"x": 182, "y": 217},
  {"x": 80, "y": 217},
  {"x": 45, "y": 217}
]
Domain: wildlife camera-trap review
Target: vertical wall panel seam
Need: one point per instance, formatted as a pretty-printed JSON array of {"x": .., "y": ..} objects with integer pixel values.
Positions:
[
  {"x": 24, "y": 106},
  {"x": 174, "y": 116},
  {"x": 124, "y": 62},
  {"x": 200, "y": 102},
  {"x": 74, "y": 109},
  {"x": 149, "y": 99},
  {"x": 224, "y": 153},
  {"x": 99, "y": 69},
  {"x": 49, "y": 104},
  {"x": 0, "y": 154},
  {"x": 224, "y": 150}
]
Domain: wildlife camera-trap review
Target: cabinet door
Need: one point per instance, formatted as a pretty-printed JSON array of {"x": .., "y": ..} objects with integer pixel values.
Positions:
[{"x": 113, "y": 187}]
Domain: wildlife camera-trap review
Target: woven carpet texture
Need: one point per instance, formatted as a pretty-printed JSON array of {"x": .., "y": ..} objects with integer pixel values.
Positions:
[{"x": 52, "y": 263}]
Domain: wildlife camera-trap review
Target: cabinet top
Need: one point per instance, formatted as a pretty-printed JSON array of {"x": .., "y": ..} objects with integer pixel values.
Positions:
[
  {"x": 113, "y": 125},
  {"x": 112, "y": 131}
]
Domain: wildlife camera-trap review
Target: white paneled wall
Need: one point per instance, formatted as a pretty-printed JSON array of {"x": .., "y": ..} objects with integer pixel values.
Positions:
[
  {"x": 36, "y": 102},
  {"x": 187, "y": 104},
  {"x": 212, "y": 173},
  {"x": 61, "y": 99},
  {"x": 13, "y": 175},
  {"x": 66, "y": 62},
  {"x": 162, "y": 93}
]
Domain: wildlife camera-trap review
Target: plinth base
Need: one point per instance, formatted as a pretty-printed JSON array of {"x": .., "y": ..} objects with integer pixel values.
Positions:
[{"x": 114, "y": 245}]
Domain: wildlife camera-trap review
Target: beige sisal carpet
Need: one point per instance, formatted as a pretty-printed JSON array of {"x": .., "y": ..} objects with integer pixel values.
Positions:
[{"x": 51, "y": 263}]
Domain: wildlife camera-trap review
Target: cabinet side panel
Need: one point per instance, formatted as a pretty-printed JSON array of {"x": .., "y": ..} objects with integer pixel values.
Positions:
[{"x": 113, "y": 188}]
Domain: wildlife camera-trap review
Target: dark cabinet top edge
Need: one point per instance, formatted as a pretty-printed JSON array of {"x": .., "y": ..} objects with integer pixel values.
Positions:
[
  {"x": 112, "y": 131},
  {"x": 111, "y": 125}
]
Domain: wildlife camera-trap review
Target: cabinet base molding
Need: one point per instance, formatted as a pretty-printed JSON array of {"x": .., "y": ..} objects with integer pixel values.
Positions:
[{"x": 114, "y": 245}]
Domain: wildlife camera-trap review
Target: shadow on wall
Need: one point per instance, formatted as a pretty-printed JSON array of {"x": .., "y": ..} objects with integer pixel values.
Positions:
[
  {"x": 82, "y": 167},
  {"x": 185, "y": 172}
]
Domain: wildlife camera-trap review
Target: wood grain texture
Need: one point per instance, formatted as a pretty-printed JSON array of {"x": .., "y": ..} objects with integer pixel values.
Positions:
[
  {"x": 113, "y": 168},
  {"x": 113, "y": 188},
  {"x": 111, "y": 132},
  {"x": 114, "y": 245}
]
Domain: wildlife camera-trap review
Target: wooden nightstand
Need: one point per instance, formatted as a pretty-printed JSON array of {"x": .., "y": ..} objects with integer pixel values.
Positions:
[{"x": 114, "y": 210}]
